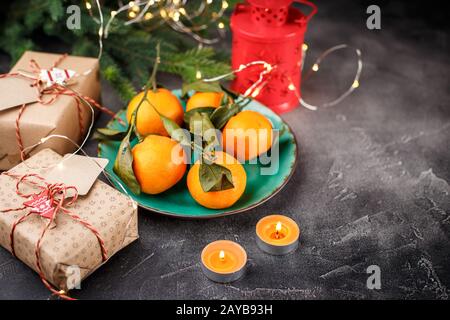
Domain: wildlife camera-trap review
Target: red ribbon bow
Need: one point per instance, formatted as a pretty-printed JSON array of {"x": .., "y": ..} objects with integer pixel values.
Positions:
[{"x": 48, "y": 203}]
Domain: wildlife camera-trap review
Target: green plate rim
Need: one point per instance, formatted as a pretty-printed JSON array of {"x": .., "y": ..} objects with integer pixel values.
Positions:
[{"x": 223, "y": 214}]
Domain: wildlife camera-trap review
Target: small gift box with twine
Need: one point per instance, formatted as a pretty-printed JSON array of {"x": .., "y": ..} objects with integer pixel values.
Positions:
[
  {"x": 46, "y": 94},
  {"x": 54, "y": 230}
]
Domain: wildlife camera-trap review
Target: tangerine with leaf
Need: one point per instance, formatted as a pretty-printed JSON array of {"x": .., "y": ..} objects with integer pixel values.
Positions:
[
  {"x": 148, "y": 119},
  {"x": 217, "y": 185}
]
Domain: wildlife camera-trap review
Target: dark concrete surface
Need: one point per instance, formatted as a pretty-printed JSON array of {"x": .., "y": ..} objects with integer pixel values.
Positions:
[{"x": 371, "y": 186}]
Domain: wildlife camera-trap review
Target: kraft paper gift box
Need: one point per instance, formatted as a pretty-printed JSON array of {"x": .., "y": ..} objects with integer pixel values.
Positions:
[
  {"x": 69, "y": 243},
  {"x": 38, "y": 120}
]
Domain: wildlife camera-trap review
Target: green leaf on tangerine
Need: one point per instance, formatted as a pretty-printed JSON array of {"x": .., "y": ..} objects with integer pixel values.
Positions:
[{"x": 214, "y": 177}]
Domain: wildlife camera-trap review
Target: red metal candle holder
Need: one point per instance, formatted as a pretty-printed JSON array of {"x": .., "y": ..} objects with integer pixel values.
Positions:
[{"x": 270, "y": 31}]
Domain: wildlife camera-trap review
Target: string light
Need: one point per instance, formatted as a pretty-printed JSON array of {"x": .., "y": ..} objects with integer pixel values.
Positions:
[
  {"x": 170, "y": 13},
  {"x": 315, "y": 68},
  {"x": 100, "y": 29},
  {"x": 255, "y": 93},
  {"x": 113, "y": 180},
  {"x": 176, "y": 16}
]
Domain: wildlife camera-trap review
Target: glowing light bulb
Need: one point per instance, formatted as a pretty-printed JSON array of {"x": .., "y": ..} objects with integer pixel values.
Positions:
[
  {"x": 88, "y": 6},
  {"x": 131, "y": 4},
  {"x": 176, "y": 16},
  {"x": 255, "y": 93},
  {"x": 222, "y": 255},
  {"x": 209, "y": 1},
  {"x": 305, "y": 47},
  {"x": 148, "y": 16},
  {"x": 135, "y": 8},
  {"x": 113, "y": 13},
  {"x": 163, "y": 13},
  {"x": 221, "y": 25},
  {"x": 132, "y": 14},
  {"x": 182, "y": 11},
  {"x": 224, "y": 4},
  {"x": 198, "y": 74},
  {"x": 315, "y": 67},
  {"x": 355, "y": 84},
  {"x": 291, "y": 87}
]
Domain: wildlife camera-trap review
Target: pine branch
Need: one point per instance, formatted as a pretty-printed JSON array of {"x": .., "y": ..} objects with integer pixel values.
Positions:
[{"x": 129, "y": 51}]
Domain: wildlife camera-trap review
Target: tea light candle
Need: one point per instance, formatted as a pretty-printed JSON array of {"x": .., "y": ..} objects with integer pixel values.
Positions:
[
  {"x": 223, "y": 261},
  {"x": 277, "y": 234}
]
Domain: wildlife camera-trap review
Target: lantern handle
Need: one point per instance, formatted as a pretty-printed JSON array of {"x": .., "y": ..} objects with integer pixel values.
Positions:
[{"x": 310, "y": 4}]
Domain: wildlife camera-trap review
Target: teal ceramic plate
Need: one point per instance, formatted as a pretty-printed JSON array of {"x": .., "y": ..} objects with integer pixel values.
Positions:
[{"x": 178, "y": 202}]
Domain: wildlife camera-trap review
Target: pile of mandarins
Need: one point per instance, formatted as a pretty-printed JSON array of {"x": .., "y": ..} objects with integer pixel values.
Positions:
[{"x": 153, "y": 161}]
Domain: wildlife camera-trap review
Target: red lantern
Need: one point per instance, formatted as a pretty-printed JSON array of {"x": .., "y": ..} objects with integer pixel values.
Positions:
[{"x": 270, "y": 31}]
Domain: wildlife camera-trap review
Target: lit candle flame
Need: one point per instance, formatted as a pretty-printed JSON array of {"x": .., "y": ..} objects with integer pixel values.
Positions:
[
  {"x": 222, "y": 255},
  {"x": 278, "y": 226},
  {"x": 277, "y": 229}
]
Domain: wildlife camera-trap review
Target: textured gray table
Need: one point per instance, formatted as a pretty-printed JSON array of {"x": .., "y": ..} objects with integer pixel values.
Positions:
[{"x": 371, "y": 186}]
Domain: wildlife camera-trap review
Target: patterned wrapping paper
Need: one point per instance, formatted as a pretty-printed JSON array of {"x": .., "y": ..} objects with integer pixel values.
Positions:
[
  {"x": 59, "y": 117},
  {"x": 69, "y": 243}
]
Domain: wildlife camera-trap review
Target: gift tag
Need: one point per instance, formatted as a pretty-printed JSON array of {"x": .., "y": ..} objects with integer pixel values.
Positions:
[
  {"x": 77, "y": 171},
  {"x": 41, "y": 204},
  {"x": 16, "y": 92},
  {"x": 56, "y": 75}
]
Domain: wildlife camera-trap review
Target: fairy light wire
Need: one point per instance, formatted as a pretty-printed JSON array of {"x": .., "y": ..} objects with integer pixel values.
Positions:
[
  {"x": 80, "y": 149},
  {"x": 100, "y": 30},
  {"x": 316, "y": 66},
  {"x": 262, "y": 80},
  {"x": 170, "y": 13}
]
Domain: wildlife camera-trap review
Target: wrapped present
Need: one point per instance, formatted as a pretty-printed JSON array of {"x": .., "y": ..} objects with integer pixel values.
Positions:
[
  {"x": 46, "y": 94},
  {"x": 54, "y": 231}
]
